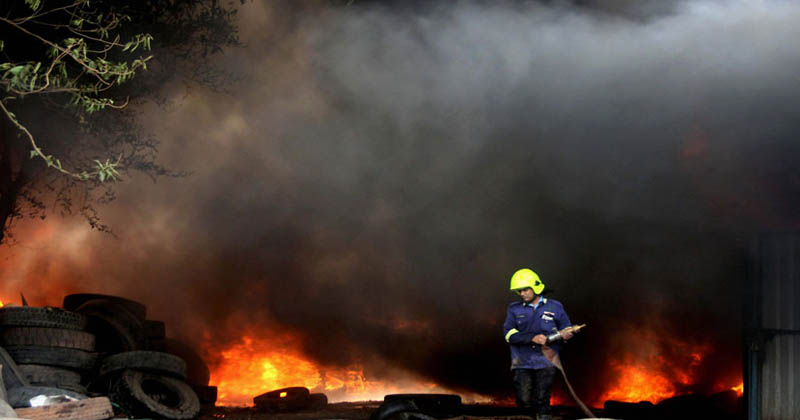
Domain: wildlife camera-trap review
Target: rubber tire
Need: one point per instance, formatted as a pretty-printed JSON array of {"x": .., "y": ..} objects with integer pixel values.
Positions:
[
  {"x": 12, "y": 377},
  {"x": 75, "y": 301},
  {"x": 154, "y": 330},
  {"x": 197, "y": 372},
  {"x": 131, "y": 390},
  {"x": 20, "y": 396},
  {"x": 295, "y": 398},
  {"x": 398, "y": 409},
  {"x": 53, "y": 356},
  {"x": 47, "y": 337},
  {"x": 49, "y": 376},
  {"x": 118, "y": 329},
  {"x": 48, "y": 317},
  {"x": 436, "y": 405},
  {"x": 206, "y": 394},
  {"x": 291, "y": 392},
  {"x": 147, "y": 361},
  {"x": 318, "y": 401}
]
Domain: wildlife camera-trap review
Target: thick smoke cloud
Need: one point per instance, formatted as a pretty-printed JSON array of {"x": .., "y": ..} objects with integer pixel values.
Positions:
[{"x": 379, "y": 173}]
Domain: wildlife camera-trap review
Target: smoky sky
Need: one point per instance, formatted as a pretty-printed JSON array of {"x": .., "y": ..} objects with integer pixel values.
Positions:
[{"x": 378, "y": 172}]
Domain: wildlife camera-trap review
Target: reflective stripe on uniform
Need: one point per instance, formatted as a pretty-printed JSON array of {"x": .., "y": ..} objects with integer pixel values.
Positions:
[{"x": 510, "y": 333}]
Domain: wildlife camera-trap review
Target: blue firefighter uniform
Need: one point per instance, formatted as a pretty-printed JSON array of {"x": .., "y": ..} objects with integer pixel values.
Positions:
[{"x": 523, "y": 322}]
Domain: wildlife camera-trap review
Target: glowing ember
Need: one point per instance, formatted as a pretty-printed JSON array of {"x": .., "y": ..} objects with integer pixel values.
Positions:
[
  {"x": 558, "y": 398},
  {"x": 255, "y": 365},
  {"x": 1, "y": 303}
]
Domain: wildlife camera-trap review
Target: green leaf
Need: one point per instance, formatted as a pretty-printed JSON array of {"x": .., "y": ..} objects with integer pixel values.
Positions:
[
  {"x": 33, "y": 4},
  {"x": 34, "y": 153},
  {"x": 102, "y": 176},
  {"x": 15, "y": 70}
]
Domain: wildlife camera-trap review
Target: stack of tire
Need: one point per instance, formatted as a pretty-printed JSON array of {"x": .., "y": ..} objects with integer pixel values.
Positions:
[
  {"x": 136, "y": 369},
  {"x": 51, "y": 349},
  {"x": 101, "y": 345}
]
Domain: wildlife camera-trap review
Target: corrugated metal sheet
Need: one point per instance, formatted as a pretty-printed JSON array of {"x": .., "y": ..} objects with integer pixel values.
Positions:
[
  {"x": 780, "y": 379},
  {"x": 780, "y": 281},
  {"x": 777, "y": 305}
]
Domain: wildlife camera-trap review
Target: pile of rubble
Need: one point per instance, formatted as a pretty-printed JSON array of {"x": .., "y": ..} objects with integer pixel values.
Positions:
[{"x": 97, "y": 350}]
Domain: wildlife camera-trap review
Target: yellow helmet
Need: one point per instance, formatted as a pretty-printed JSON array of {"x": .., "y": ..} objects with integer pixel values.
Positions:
[{"x": 524, "y": 278}]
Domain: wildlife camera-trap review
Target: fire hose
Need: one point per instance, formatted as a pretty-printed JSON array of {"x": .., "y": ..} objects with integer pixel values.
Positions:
[{"x": 553, "y": 357}]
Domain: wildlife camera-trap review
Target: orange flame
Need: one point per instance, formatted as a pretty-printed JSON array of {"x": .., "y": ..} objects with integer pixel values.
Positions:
[
  {"x": 739, "y": 389},
  {"x": 257, "y": 365},
  {"x": 1, "y": 303},
  {"x": 651, "y": 376},
  {"x": 638, "y": 383}
]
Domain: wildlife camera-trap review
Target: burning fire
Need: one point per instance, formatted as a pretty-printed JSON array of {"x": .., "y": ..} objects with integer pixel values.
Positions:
[
  {"x": 739, "y": 389},
  {"x": 257, "y": 365},
  {"x": 639, "y": 383},
  {"x": 652, "y": 376}
]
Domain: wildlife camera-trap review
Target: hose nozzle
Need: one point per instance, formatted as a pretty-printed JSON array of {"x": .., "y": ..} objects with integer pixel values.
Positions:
[{"x": 556, "y": 335}]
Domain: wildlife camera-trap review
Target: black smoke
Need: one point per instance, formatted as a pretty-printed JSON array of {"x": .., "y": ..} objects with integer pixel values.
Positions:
[{"x": 380, "y": 172}]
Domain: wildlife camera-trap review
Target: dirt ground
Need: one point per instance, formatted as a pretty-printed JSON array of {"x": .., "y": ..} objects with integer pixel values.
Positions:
[
  {"x": 345, "y": 410},
  {"x": 361, "y": 411}
]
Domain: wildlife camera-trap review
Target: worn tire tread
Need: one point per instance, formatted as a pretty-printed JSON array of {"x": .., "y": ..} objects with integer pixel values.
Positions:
[
  {"x": 48, "y": 317},
  {"x": 48, "y": 375},
  {"x": 119, "y": 329},
  {"x": 128, "y": 393},
  {"x": 74, "y": 301},
  {"x": 53, "y": 356},
  {"x": 149, "y": 361},
  {"x": 50, "y": 337}
]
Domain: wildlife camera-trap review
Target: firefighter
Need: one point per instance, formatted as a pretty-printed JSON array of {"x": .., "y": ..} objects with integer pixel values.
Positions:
[{"x": 528, "y": 323}]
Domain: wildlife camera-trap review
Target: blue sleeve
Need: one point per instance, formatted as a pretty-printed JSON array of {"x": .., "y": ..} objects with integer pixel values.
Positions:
[
  {"x": 516, "y": 337},
  {"x": 521, "y": 338},
  {"x": 509, "y": 324}
]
